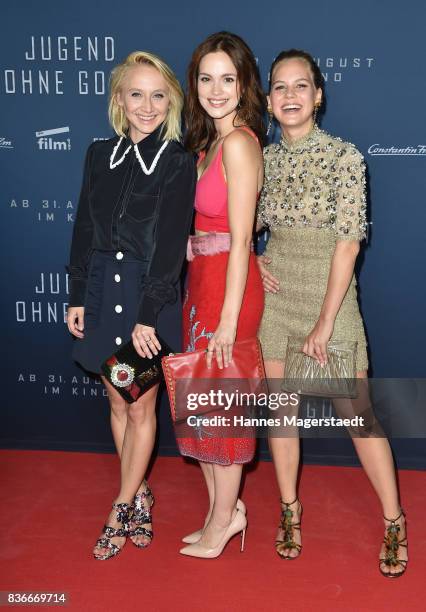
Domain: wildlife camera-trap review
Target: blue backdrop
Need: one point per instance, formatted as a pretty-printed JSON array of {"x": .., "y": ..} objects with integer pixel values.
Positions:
[{"x": 55, "y": 60}]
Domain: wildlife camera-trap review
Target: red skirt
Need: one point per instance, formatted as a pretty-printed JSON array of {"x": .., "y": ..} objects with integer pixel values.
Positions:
[{"x": 201, "y": 313}]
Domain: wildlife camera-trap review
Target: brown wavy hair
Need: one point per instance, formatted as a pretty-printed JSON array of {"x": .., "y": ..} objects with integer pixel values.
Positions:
[{"x": 200, "y": 127}]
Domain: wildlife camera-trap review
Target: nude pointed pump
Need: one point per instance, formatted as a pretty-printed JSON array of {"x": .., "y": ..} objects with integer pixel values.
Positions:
[
  {"x": 196, "y": 535},
  {"x": 237, "y": 525}
]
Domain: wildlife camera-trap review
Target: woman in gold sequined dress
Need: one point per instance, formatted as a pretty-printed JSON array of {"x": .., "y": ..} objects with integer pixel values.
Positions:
[{"x": 314, "y": 204}]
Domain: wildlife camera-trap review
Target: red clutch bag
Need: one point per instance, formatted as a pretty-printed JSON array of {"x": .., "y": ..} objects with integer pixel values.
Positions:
[{"x": 187, "y": 373}]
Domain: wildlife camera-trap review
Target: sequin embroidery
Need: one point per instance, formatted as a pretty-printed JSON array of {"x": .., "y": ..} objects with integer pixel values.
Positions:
[{"x": 319, "y": 182}]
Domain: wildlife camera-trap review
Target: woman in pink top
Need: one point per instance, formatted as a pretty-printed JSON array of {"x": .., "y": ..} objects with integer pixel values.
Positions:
[{"x": 224, "y": 300}]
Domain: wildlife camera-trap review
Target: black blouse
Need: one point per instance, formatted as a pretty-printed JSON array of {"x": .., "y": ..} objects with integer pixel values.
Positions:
[{"x": 123, "y": 209}]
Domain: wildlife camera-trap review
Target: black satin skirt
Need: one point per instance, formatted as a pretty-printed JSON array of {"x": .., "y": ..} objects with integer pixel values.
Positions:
[{"x": 113, "y": 294}]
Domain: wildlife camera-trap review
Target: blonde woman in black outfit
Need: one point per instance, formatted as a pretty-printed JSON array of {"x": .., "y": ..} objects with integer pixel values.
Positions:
[{"x": 128, "y": 246}]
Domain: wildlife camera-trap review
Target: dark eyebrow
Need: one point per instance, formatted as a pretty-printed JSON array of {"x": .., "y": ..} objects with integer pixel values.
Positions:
[
  {"x": 281, "y": 81},
  {"x": 223, "y": 75}
]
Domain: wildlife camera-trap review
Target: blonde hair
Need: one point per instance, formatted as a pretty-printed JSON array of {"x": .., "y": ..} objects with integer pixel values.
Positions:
[{"x": 117, "y": 117}]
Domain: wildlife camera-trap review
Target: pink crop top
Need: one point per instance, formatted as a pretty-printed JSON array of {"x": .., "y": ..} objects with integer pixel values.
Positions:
[{"x": 211, "y": 196}]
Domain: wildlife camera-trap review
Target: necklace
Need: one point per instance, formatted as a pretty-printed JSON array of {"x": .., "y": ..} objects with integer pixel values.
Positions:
[{"x": 145, "y": 170}]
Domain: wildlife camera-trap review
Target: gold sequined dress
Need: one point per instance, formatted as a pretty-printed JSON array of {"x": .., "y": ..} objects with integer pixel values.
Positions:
[{"x": 313, "y": 196}]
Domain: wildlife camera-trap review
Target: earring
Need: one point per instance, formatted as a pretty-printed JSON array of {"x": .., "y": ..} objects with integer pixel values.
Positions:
[
  {"x": 271, "y": 120},
  {"x": 316, "y": 109}
]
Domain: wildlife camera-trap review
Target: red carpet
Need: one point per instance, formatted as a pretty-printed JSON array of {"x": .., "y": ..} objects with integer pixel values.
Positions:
[{"x": 54, "y": 504}]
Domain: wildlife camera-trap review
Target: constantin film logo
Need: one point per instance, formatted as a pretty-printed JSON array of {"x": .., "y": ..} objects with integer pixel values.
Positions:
[
  {"x": 46, "y": 142},
  {"x": 5, "y": 143},
  {"x": 378, "y": 149}
]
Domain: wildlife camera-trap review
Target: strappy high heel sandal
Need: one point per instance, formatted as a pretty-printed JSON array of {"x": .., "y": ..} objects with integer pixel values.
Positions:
[
  {"x": 392, "y": 544},
  {"x": 142, "y": 515},
  {"x": 123, "y": 517},
  {"x": 287, "y": 526}
]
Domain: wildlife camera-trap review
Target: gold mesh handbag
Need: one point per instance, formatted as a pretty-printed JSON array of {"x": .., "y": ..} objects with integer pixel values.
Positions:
[{"x": 305, "y": 376}]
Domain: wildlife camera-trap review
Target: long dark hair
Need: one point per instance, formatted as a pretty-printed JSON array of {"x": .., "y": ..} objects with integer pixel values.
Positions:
[{"x": 200, "y": 127}]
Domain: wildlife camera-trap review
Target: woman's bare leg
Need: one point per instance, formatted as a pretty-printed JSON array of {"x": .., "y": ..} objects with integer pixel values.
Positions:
[
  {"x": 118, "y": 417},
  {"x": 376, "y": 458},
  {"x": 285, "y": 453},
  {"x": 227, "y": 480},
  {"x": 207, "y": 469},
  {"x": 136, "y": 450}
]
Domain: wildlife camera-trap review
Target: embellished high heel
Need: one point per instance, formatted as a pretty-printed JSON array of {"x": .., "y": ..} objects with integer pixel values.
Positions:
[
  {"x": 287, "y": 543},
  {"x": 141, "y": 516},
  {"x": 123, "y": 517},
  {"x": 392, "y": 544},
  {"x": 196, "y": 535},
  {"x": 237, "y": 525}
]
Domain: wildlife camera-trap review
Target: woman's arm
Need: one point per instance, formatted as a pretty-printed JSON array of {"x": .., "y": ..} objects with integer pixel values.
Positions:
[
  {"x": 81, "y": 246},
  {"x": 271, "y": 283},
  {"x": 339, "y": 279},
  {"x": 242, "y": 160},
  {"x": 171, "y": 235},
  {"x": 263, "y": 218},
  {"x": 350, "y": 229}
]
